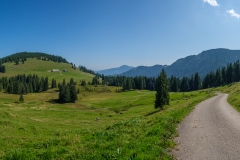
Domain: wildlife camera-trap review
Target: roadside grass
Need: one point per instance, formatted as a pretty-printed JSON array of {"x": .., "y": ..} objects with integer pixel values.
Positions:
[
  {"x": 234, "y": 94},
  {"x": 44, "y": 68},
  {"x": 102, "y": 124}
]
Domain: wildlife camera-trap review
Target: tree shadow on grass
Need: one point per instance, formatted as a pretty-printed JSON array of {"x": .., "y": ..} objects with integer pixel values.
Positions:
[
  {"x": 53, "y": 101},
  {"x": 151, "y": 113}
]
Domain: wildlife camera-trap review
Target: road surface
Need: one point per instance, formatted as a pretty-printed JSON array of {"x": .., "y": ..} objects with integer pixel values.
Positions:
[{"x": 210, "y": 132}]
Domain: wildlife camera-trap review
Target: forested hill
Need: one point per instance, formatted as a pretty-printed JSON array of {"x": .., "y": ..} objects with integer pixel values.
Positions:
[
  {"x": 22, "y": 56},
  {"x": 202, "y": 63}
]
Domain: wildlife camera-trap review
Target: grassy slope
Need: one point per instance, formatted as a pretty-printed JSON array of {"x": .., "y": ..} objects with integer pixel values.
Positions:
[
  {"x": 233, "y": 90},
  {"x": 128, "y": 126},
  {"x": 42, "y": 68}
]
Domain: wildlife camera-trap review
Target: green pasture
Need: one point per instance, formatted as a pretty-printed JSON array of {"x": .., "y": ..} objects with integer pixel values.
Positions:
[
  {"x": 44, "y": 68},
  {"x": 102, "y": 124}
]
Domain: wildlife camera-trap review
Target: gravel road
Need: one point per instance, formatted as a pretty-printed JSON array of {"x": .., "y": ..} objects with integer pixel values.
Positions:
[{"x": 210, "y": 132}]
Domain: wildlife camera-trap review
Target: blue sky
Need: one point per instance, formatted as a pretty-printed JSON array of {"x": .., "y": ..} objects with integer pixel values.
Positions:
[{"x": 102, "y": 34}]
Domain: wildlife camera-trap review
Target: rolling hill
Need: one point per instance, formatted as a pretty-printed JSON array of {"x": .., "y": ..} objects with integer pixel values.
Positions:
[
  {"x": 44, "y": 68},
  {"x": 202, "y": 63}
]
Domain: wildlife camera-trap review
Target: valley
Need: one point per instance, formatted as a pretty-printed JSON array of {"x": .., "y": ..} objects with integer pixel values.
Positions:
[{"x": 104, "y": 122}]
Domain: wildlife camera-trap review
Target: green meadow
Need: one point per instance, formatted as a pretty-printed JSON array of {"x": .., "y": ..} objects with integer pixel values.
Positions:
[
  {"x": 102, "y": 124},
  {"x": 44, "y": 68}
]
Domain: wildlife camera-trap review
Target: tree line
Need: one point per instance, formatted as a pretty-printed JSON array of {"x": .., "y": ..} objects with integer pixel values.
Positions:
[
  {"x": 127, "y": 83},
  {"x": 222, "y": 76},
  {"x": 24, "y": 84}
]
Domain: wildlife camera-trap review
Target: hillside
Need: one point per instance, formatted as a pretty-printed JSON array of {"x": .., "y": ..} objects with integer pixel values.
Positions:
[
  {"x": 202, "y": 63},
  {"x": 44, "y": 68},
  {"x": 115, "y": 71}
]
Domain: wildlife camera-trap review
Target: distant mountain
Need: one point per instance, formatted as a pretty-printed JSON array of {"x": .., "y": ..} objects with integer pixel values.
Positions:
[
  {"x": 202, "y": 63},
  {"x": 144, "y": 71},
  {"x": 115, "y": 71}
]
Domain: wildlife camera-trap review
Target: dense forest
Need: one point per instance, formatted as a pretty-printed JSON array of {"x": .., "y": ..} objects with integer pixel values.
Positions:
[
  {"x": 24, "y": 84},
  {"x": 222, "y": 76}
]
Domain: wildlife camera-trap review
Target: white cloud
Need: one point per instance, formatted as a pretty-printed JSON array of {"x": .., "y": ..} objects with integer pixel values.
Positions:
[
  {"x": 233, "y": 13},
  {"x": 212, "y": 2}
]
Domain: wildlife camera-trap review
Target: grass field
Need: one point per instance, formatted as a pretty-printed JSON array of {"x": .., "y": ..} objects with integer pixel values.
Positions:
[
  {"x": 44, "y": 68},
  {"x": 102, "y": 124}
]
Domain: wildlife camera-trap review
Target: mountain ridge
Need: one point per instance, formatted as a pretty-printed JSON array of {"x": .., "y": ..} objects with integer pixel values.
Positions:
[
  {"x": 115, "y": 71},
  {"x": 203, "y": 63}
]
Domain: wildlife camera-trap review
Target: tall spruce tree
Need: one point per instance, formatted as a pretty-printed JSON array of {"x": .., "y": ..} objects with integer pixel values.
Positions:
[
  {"x": 162, "y": 87},
  {"x": 197, "y": 81},
  {"x": 73, "y": 93}
]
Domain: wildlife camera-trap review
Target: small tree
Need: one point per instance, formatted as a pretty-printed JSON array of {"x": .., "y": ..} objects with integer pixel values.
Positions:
[
  {"x": 21, "y": 99},
  {"x": 162, "y": 88},
  {"x": 73, "y": 93}
]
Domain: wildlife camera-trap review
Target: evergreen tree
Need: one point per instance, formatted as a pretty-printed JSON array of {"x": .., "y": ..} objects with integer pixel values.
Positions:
[
  {"x": 17, "y": 61},
  {"x": 218, "y": 81},
  {"x": 21, "y": 99},
  {"x": 66, "y": 93},
  {"x": 175, "y": 85},
  {"x": 236, "y": 70},
  {"x": 224, "y": 76},
  {"x": 45, "y": 86},
  {"x": 83, "y": 83},
  {"x": 72, "y": 81},
  {"x": 1, "y": 87},
  {"x": 184, "y": 85},
  {"x": 54, "y": 83},
  {"x": 197, "y": 81},
  {"x": 162, "y": 95},
  {"x": 73, "y": 93},
  {"x": 2, "y": 68},
  {"x": 229, "y": 73}
]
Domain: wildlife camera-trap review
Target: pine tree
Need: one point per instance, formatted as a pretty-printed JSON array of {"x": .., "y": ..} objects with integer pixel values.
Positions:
[
  {"x": 197, "y": 82},
  {"x": 54, "y": 83},
  {"x": 45, "y": 84},
  {"x": 73, "y": 93},
  {"x": 66, "y": 94},
  {"x": 229, "y": 73},
  {"x": 21, "y": 99},
  {"x": 162, "y": 95}
]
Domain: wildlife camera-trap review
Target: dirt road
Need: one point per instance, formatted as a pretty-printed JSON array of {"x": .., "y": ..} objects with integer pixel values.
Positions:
[{"x": 210, "y": 132}]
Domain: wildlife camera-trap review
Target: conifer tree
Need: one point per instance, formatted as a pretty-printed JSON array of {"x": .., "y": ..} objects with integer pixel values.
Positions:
[
  {"x": 66, "y": 94},
  {"x": 54, "y": 83},
  {"x": 73, "y": 93},
  {"x": 21, "y": 99},
  {"x": 45, "y": 85},
  {"x": 162, "y": 87},
  {"x": 197, "y": 82}
]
